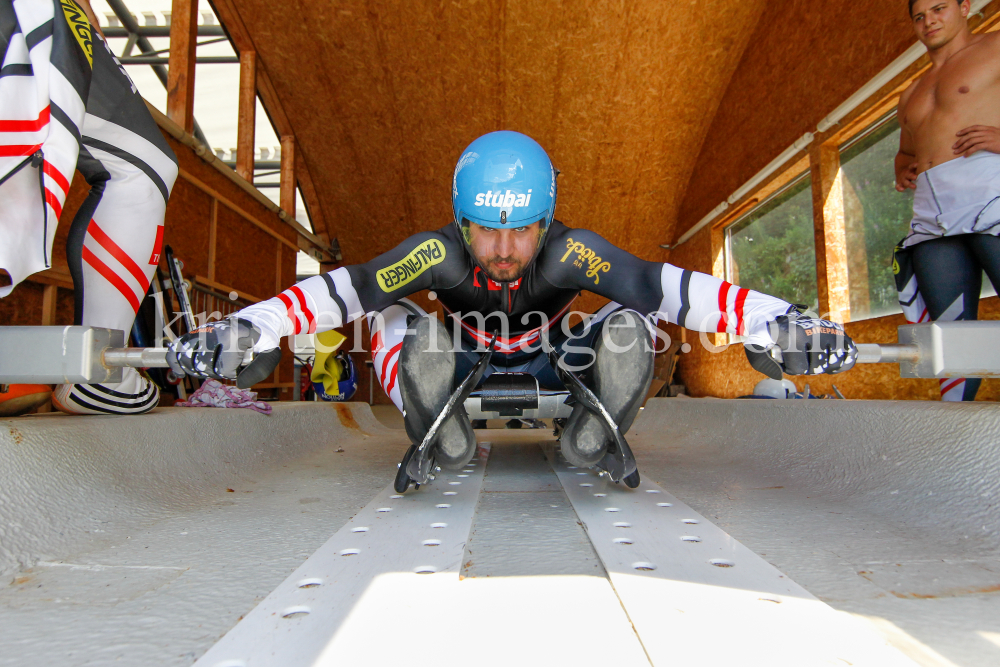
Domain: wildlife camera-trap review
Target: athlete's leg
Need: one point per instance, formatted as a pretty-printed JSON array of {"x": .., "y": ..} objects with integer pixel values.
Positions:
[
  {"x": 115, "y": 238},
  {"x": 617, "y": 365},
  {"x": 414, "y": 356},
  {"x": 950, "y": 280},
  {"x": 987, "y": 251}
]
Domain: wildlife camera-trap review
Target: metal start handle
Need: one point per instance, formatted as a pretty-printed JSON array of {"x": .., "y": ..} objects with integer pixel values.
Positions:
[
  {"x": 136, "y": 357},
  {"x": 872, "y": 353}
]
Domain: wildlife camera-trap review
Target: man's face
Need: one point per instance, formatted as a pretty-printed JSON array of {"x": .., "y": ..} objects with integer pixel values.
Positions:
[
  {"x": 504, "y": 253},
  {"x": 936, "y": 22}
]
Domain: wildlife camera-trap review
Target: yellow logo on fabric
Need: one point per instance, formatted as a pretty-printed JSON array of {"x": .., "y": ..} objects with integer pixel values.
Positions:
[
  {"x": 403, "y": 272},
  {"x": 585, "y": 255},
  {"x": 80, "y": 27}
]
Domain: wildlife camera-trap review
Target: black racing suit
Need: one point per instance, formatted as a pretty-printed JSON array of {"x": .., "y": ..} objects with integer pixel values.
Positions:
[{"x": 570, "y": 261}]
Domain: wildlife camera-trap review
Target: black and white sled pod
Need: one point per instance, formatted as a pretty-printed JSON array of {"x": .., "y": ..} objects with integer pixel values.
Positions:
[{"x": 74, "y": 354}]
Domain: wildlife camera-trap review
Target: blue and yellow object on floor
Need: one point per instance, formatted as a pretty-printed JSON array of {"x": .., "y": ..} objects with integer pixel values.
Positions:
[{"x": 334, "y": 377}]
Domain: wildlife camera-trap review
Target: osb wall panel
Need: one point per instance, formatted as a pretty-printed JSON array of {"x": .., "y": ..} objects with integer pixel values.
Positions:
[
  {"x": 803, "y": 60},
  {"x": 245, "y": 257},
  {"x": 383, "y": 96},
  {"x": 24, "y": 306},
  {"x": 186, "y": 228}
]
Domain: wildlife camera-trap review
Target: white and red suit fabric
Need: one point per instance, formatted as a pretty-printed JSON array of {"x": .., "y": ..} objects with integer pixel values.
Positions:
[
  {"x": 45, "y": 76},
  {"x": 66, "y": 104}
]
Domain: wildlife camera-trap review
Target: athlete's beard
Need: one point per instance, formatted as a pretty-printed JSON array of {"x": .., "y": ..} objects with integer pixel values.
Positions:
[{"x": 508, "y": 275}]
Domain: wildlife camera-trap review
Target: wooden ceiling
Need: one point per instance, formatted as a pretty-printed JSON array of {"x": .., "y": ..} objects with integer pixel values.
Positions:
[{"x": 383, "y": 96}]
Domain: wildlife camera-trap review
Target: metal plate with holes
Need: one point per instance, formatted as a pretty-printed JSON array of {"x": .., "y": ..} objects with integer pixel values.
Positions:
[
  {"x": 697, "y": 596},
  {"x": 420, "y": 533}
]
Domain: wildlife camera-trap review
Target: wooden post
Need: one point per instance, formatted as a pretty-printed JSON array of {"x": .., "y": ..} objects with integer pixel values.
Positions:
[
  {"x": 717, "y": 240},
  {"x": 183, "y": 50},
  {"x": 213, "y": 223},
  {"x": 49, "y": 299},
  {"x": 828, "y": 233},
  {"x": 247, "y": 115},
  {"x": 286, "y": 197}
]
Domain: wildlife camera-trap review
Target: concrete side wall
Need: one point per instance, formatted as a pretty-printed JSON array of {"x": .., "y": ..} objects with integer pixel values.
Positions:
[
  {"x": 930, "y": 466},
  {"x": 67, "y": 481}
]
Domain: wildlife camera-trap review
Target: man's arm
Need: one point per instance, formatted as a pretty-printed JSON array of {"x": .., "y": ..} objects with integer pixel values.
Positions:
[
  {"x": 906, "y": 161},
  {"x": 582, "y": 259},
  {"x": 317, "y": 304},
  {"x": 330, "y": 300}
]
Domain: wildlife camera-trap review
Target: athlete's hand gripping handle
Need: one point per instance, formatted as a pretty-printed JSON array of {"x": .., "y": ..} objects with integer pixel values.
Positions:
[
  {"x": 803, "y": 346},
  {"x": 216, "y": 350}
]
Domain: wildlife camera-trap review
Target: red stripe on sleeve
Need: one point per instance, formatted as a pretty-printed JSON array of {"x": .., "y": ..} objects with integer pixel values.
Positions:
[
  {"x": 723, "y": 304},
  {"x": 26, "y": 125},
  {"x": 53, "y": 201},
  {"x": 111, "y": 277},
  {"x": 291, "y": 312},
  {"x": 741, "y": 298},
  {"x": 310, "y": 320},
  {"x": 115, "y": 251},
  {"x": 56, "y": 176},
  {"x": 18, "y": 151}
]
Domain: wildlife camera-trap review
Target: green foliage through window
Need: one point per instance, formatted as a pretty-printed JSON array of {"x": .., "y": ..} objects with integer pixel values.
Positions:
[
  {"x": 876, "y": 217},
  {"x": 771, "y": 249}
]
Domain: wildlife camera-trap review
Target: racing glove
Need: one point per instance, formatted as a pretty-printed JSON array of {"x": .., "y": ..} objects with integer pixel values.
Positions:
[
  {"x": 216, "y": 350},
  {"x": 803, "y": 346}
]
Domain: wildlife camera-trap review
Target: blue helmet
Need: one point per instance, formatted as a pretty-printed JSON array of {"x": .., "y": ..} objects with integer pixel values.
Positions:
[{"x": 504, "y": 180}]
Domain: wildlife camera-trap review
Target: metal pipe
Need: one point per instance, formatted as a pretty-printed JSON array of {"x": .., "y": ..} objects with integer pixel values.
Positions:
[
  {"x": 870, "y": 353},
  {"x": 136, "y": 357},
  {"x": 160, "y": 31}
]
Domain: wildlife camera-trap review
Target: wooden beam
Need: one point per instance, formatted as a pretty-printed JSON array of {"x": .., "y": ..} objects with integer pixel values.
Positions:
[
  {"x": 247, "y": 116},
  {"x": 213, "y": 227},
  {"x": 287, "y": 180},
  {"x": 180, "y": 76},
  {"x": 320, "y": 224},
  {"x": 829, "y": 234},
  {"x": 49, "y": 301}
]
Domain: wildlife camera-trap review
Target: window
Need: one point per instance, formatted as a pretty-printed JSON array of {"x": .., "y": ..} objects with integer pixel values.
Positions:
[
  {"x": 771, "y": 248},
  {"x": 876, "y": 218}
]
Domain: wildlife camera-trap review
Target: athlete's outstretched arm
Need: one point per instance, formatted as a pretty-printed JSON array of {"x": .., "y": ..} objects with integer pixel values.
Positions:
[
  {"x": 697, "y": 301},
  {"x": 320, "y": 303},
  {"x": 330, "y": 300},
  {"x": 584, "y": 260}
]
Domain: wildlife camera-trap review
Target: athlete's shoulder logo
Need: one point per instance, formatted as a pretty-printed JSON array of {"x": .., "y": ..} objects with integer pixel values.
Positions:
[
  {"x": 403, "y": 272},
  {"x": 585, "y": 255},
  {"x": 80, "y": 27}
]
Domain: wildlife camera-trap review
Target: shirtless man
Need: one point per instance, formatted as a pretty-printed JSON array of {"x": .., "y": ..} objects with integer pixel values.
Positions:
[{"x": 949, "y": 152}]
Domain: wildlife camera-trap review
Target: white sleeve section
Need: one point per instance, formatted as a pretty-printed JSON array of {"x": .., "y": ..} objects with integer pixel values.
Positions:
[
  {"x": 757, "y": 312},
  {"x": 704, "y": 303},
  {"x": 276, "y": 318},
  {"x": 271, "y": 317},
  {"x": 325, "y": 312},
  {"x": 670, "y": 285},
  {"x": 342, "y": 279}
]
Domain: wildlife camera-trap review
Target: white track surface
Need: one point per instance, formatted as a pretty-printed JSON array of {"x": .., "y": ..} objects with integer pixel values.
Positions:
[{"x": 120, "y": 544}]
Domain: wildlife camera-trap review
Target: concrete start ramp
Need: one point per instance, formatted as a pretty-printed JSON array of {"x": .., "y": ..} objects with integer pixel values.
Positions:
[{"x": 764, "y": 532}]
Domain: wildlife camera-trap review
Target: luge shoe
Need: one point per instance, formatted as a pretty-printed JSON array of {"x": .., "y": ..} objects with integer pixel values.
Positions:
[
  {"x": 134, "y": 395},
  {"x": 620, "y": 378},
  {"x": 426, "y": 380}
]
